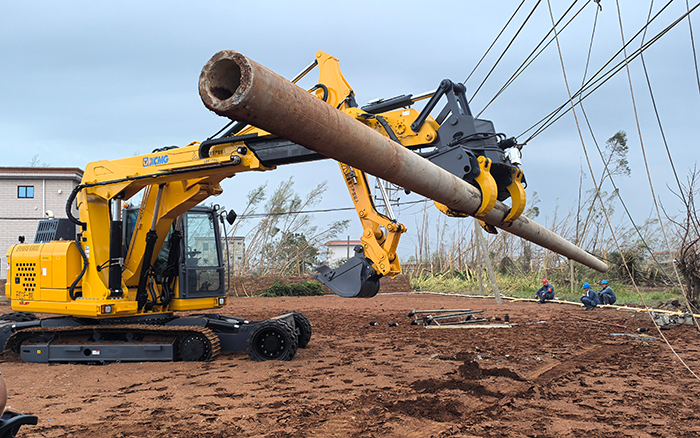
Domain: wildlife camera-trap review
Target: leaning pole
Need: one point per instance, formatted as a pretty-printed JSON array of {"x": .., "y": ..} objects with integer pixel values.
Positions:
[{"x": 234, "y": 86}]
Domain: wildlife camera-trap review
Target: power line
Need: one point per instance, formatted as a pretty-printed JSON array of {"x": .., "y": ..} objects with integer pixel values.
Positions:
[
  {"x": 506, "y": 49},
  {"x": 527, "y": 62},
  {"x": 494, "y": 41},
  {"x": 327, "y": 210},
  {"x": 598, "y": 79},
  {"x": 610, "y": 177},
  {"x": 554, "y": 116}
]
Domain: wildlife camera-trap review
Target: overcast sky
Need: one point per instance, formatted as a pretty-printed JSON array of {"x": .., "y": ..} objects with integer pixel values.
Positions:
[{"x": 82, "y": 81}]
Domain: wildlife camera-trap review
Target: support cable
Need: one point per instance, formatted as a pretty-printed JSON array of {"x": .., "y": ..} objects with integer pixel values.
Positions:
[
  {"x": 692, "y": 43},
  {"x": 607, "y": 218},
  {"x": 506, "y": 49},
  {"x": 697, "y": 78}
]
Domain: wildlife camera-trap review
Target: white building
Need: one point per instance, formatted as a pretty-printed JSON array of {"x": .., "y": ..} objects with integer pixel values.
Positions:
[
  {"x": 340, "y": 250},
  {"x": 26, "y": 195}
]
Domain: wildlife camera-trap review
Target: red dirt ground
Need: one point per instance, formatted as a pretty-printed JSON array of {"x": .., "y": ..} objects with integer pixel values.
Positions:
[{"x": 552, "y": 374}]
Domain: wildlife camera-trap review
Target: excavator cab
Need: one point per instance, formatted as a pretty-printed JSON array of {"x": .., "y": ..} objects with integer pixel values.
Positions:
[{"x": 193, "y": 256}]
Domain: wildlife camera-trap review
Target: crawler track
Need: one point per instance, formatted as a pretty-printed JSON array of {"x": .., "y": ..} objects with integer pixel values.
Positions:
[{"x": 64, "y": 335}]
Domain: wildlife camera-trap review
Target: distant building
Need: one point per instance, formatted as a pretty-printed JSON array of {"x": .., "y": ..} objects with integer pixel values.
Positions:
[
  {"x": 338, "y": 250},
  {"x": 28, "y": 195},
  {"x": 236, "y": 249}
]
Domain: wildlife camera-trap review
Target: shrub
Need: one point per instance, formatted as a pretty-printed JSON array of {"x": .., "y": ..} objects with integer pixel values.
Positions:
[{"x": 305, "y": 289}]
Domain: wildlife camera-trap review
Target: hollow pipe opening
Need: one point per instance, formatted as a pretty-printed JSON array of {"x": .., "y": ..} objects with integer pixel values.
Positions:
[{"x": 224, "y": 79}]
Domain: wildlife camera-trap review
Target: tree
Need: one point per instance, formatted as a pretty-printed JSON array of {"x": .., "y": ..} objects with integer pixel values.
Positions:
[
  {"x": 615, "y": 163},
  {"x": 688, "y": 259},
  {"x": 285, "y": 241},
  {"x": 36, "y": 162},
  {"x": 294, "y": 254}
]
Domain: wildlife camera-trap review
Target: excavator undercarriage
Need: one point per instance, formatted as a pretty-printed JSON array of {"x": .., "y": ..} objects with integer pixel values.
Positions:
[{"x": 168, "y": 338}]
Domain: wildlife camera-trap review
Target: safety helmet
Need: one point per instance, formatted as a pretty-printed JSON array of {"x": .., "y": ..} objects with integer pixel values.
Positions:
[
  {"x": 586, "y": 285},
  {"x": 544, "y": 280},
  {"x": 604, "y": 282}
]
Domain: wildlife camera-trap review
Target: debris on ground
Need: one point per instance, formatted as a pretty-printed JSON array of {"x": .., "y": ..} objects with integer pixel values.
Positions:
[{"x": 543, "y": 377}]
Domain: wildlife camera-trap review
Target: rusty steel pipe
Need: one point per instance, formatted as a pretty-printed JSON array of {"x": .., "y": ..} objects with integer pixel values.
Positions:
[{"x": 234, "y": 86}]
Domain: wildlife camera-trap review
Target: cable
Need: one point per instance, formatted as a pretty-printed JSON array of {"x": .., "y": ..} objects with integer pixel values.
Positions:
[
  {"x": 692, "y": 43},
  {"x": 651, "y": 186},
  {"x": 506, "y": 49},
  {"x": 553, "y": 116},
  {"x": 593, "y": 80},
  {"x": 328, "y": 210},
  {"x": 607, "y": 218},
  {"x": 529, "y": 61},
  {"x": 697, "y": 78},
  {"x": 494, "y": 41},
  {"x": 663, "y": 137},
  {"x": 551, "y": 119},
  {"x": 641, "y": 142}
]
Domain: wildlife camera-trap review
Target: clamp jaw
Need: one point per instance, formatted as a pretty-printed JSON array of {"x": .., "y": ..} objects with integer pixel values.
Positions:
[{"x": 470, "y": 149}]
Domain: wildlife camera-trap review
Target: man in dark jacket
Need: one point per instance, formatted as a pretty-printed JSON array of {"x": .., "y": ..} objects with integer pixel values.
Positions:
[
  {"x": 606, "y": 294},
  {"x": 589, "y": 298},
  {"x": 546, "y": 292}
]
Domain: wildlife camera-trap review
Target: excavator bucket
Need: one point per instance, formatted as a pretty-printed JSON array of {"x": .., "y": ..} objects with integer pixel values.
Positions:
[{"x": 354, "y": 279}]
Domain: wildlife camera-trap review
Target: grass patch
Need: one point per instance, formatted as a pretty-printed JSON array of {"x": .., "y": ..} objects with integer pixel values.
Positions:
[
  {"x": 304, "y": 289},
  {"x": 525, "y": 286}
]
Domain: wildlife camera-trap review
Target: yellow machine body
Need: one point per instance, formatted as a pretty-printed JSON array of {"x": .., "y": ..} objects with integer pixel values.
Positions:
[{"x": 73, "y": 277}]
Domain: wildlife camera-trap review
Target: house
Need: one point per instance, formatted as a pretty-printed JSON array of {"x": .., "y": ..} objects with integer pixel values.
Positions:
[
  {"x": 236, "y": 250},
  {"x": 340, "y": 250},
  {"x": 28, "y": 195}
]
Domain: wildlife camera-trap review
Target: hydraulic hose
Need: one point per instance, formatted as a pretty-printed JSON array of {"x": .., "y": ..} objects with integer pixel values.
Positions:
[
  {"x": 69, "y": 202},
  {"x": 71, "y": 290}
]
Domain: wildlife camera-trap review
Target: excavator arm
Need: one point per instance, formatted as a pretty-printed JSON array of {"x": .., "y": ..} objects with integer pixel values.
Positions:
[
  {"x": 173, "y": 180},
  {"x": 456, "y": 141}
]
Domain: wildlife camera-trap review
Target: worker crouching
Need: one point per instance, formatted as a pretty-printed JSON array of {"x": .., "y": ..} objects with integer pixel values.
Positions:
[
  {"x": 606, "y": 294},
  {"x": 589, "y": 298},
  {"x": 546, "y": 292}
]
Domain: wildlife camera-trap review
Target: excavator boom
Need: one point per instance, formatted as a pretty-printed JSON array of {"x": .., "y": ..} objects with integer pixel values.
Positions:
[{"x": 234, "y": 86}]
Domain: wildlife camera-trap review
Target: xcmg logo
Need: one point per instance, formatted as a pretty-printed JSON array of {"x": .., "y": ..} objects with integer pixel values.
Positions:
[{"x": 154, "y": 161}]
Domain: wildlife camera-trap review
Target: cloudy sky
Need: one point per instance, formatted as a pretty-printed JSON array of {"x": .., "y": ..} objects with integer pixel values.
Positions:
[{"x": 82, "y": 81}]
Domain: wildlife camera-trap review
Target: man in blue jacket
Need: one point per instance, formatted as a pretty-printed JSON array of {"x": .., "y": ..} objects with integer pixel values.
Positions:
[
  {"x": 546, "y": 292},
  {"x": 606, "y": 294},
  {"x": 589, "y": 298}
]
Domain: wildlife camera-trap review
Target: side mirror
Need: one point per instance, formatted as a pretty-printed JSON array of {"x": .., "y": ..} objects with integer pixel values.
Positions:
[{"x": 231, "y": 217}]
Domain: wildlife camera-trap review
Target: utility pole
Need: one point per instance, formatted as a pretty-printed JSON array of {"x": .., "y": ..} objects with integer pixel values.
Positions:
[
  {"x": 480, "y": 245},
  {"x": 571, "y": 275},
  {"x": 479, "y": 265}
]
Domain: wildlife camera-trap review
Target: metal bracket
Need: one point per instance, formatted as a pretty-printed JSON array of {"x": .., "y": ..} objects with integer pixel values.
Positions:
[
  {"x": 517, "y": 194},
  {"x": 489, "y": 189}
]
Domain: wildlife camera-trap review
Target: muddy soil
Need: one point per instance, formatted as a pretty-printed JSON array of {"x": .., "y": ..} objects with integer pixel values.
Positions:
[{"x": 559, "y": 371}]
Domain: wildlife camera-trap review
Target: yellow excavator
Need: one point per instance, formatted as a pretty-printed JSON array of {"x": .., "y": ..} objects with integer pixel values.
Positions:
[{"x": 117, "y": 285}]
